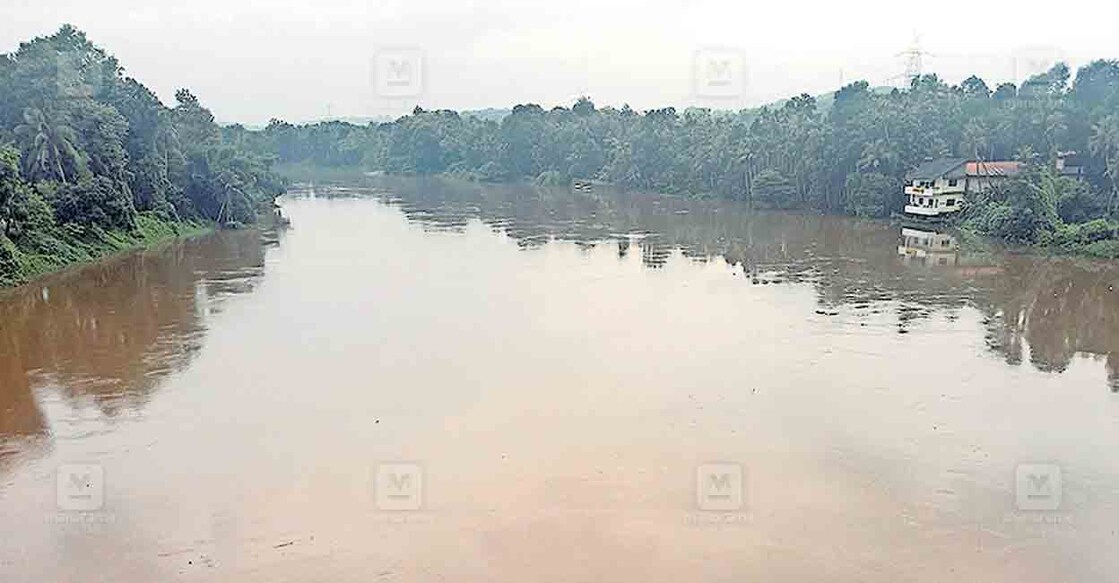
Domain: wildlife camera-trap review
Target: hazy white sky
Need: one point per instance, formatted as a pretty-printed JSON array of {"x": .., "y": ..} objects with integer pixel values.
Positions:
[{"x": 250, "y": 60}]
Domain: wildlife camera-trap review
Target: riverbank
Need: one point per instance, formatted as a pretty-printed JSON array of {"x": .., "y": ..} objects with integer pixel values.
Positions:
[
  {"x": 1085, "y": 240},
  {"x": 42, "y": 252},
  {"x": 89, "y": 168}
]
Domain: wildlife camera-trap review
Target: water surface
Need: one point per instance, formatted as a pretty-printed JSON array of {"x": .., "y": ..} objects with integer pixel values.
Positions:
[{"x": 562, "y": 370}]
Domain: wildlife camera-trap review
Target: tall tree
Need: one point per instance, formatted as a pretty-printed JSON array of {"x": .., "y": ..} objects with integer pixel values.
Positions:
[{"x": 48, "y": 143}]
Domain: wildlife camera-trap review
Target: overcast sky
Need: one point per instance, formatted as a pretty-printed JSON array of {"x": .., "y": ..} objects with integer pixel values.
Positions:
[{"x": 251, "y": 60}]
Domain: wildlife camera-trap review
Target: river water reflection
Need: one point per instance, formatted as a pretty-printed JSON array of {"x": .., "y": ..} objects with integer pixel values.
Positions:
[{"x": 428, "y": 380}]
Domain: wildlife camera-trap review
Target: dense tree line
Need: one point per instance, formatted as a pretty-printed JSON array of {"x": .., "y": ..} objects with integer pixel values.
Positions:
[
  {"x": 90, "y": 159},
  {"x": 850, "y": 158}
]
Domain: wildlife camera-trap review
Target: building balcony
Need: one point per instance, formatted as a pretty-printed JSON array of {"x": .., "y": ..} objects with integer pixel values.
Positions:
[
  {"x": 927, "y": 211},
  {"x": 934, "y": 190}
]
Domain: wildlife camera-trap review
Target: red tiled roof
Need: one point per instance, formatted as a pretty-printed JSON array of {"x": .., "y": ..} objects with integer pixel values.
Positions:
[{"x": 985, "y": 169}]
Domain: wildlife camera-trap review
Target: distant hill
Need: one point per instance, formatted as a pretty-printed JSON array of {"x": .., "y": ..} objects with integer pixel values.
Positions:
[{"x": 496, "y": 114}]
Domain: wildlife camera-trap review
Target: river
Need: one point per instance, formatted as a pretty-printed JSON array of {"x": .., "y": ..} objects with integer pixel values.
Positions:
[{"x": 428, "y": 380}]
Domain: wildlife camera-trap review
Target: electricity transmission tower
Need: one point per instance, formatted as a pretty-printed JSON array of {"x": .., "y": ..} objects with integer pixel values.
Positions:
[{"x": 913, "y": 59}]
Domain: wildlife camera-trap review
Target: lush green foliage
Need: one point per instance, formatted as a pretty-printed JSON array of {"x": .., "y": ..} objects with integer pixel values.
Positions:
[
  {"x": 91, "y": 161},
  {"x": 870, "y": 194},
  {"x": 848, "y": 158}
]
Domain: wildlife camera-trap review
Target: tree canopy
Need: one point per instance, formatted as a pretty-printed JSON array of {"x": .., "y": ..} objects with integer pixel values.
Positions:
[
  {"x": 850, "y": 157},
  {"x": 86, "y": 150}
]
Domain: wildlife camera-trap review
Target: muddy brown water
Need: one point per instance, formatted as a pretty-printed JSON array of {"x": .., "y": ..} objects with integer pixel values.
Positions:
[{"x": 424, "y": 380}]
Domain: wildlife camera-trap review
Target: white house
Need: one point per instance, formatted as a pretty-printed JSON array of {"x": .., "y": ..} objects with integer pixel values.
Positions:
[{"x": 939, "y": 187}]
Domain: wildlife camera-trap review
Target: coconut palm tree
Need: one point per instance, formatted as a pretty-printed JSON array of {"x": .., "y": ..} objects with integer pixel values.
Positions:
[{"x": 48, "y": 146}]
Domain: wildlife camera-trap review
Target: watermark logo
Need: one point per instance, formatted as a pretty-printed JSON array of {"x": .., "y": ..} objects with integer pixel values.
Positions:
[
  {"x": 398, "y": 72},
  {"x": 719, "y": 73},
  {"x": 399, "y": 486},
  {"x": 719, "y": 487},
  {"x": 1038, "y": 487},
  {"x": 80, "y": 487}
]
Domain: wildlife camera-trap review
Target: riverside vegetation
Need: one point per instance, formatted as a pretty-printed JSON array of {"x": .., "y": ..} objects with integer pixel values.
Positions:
[
  {"x": 92, "y": 162},
  {"x": 846, "y": 153}
]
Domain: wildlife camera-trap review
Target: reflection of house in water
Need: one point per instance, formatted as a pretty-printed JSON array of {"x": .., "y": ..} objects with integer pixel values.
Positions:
[
  {"x": 1113, "y": 372},
  {"x": 935, "y": 249},
  {"x": 1039, "y": 310},
  {"x": 927, "y": 247},
  {"x": 654, "y": 253}
]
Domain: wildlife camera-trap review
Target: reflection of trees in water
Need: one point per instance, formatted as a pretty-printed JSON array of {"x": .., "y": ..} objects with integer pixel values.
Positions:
[
  {"x": 107, "y": 334},
  {"x": 1113, "y": 371},
  {"x": 1056, "y": 307}
]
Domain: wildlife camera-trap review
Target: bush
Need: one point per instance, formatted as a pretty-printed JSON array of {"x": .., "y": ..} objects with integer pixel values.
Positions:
[
  {"x": 1090, "y": 232},
  {"x": 1018, "y": 212},
  {"x": 94, "y": 201},
  {"x": 872, "y": 194},
  {"x": 1105, "y": 249},
  {"x": 1078, "y": 203},
  {"x": 1001, "y": 220},
  {"x": 9, "y": 262},
  {"x": 773, "y": 190}
]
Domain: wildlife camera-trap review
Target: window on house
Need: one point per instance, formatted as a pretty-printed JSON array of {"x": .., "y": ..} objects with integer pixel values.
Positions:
[
  {"x": 953, "y": 182},
  {"x": 950, "y": 202}
]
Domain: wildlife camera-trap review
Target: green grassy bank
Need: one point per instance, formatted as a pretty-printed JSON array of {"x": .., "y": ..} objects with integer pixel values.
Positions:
[{"x": 44, "y": 251}]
